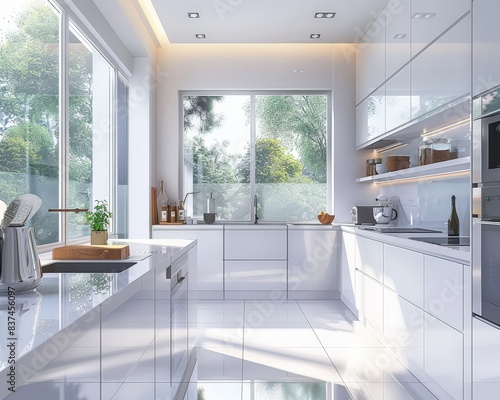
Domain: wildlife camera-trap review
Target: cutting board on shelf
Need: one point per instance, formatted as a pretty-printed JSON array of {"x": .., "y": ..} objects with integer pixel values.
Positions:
[{"x": 91, "y": 252}]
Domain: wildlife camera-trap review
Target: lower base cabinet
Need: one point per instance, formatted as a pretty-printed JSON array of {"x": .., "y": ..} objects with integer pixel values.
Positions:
[
  {"x": 485, "y": 360},
  {"x": 370, "y": 300},
  {"x": 443, "y": 358},
  {"x": 404, "y": 329}
]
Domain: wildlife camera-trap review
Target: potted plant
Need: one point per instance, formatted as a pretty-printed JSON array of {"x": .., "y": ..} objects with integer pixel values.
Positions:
[{"x": 99, "y": 222}]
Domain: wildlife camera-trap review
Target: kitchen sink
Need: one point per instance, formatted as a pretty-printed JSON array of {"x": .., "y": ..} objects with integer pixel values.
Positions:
[{"x": 87, "y": 267}]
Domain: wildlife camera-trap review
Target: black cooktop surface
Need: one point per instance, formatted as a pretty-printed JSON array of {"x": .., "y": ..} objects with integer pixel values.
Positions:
[
  {"x": 445, "y": 241},
  {"x": 395, "y": 229}
]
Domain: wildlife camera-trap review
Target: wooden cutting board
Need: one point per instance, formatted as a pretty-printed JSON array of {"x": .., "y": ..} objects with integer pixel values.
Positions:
[{"x": 89, "y": 252}]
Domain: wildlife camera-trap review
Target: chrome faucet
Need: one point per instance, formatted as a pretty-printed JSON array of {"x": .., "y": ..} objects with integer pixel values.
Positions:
[{"x": 255, "y": 209}]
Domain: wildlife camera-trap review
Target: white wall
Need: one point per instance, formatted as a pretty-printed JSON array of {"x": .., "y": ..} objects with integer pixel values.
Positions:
[{"x": 259, "y": 66}]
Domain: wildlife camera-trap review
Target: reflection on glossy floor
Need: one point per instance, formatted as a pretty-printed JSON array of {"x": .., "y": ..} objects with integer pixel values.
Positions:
[{"x": 246, "y": 350}]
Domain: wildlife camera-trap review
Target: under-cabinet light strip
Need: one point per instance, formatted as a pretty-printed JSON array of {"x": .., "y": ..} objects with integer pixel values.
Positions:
[
  {"x": 393, "y": 146},
  {"x": 443, "y": 175},
  {"x": 446, "y": 128}
]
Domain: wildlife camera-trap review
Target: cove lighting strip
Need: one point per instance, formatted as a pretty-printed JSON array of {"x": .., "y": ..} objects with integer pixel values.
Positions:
[
  {"x": 446, "y": 128},
  {"x": 440, "y": 176}
]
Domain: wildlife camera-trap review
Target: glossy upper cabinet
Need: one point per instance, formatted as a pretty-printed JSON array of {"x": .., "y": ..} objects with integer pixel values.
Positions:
[
  {"x": 441, "y": 73},
  {"x": 398, "y": 99},
  {"x": 370, "y": 117},
  {"x": 397, "y": 36},
  {"x": 430, "y": 18},
  {"x": 486, "y": 39},
  {"x": 370, "y": 60}
]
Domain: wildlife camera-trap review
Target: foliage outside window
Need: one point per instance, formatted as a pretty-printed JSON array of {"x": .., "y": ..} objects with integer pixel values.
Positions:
[
  {"x": 42, "y": 130},
  {"x": 274, "y": 145}
]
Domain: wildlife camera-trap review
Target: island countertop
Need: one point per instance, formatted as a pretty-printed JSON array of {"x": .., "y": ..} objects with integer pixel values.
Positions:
[{"x": 67, "y": 303}]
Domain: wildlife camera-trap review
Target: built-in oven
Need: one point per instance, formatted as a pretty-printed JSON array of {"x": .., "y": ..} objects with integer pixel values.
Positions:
[
  {"x": 486, "y": 206},
  {"x": 486, "y": 147}
]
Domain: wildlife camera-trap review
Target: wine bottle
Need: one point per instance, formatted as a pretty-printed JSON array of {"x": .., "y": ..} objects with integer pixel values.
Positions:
[
  {"x": 162, "y": 197},
  {"x": 453, "y": 222}
]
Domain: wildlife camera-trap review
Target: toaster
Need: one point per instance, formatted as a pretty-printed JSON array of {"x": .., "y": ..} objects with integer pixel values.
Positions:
[{"x": 362, "y": 215}]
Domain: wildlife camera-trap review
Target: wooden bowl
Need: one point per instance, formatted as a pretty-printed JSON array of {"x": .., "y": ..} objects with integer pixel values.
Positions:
[
  {"x": 325, "y": 218},
  {"x": 395, "y": 163}
]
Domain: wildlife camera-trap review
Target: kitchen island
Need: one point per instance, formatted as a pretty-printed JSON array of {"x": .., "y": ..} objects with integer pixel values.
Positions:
[{"x": 95, "y": 334}]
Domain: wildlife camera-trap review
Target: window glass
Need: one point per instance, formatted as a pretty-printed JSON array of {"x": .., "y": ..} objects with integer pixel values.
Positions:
[
  {"x": 90, "y": 123},
  {"x": 29, "y": 108},
  {"x": 271, "y": 145}
]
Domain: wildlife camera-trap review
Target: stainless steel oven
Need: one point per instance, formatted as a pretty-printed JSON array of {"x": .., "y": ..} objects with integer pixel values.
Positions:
[
  {"x": 486, "y": 209},
  {"x": 486, "y": 148}
]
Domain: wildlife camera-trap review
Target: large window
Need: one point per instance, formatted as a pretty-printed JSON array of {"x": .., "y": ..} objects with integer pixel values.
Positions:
[
  {"x": 272, "y": 145},
  {"x": 57, "y": 117}
]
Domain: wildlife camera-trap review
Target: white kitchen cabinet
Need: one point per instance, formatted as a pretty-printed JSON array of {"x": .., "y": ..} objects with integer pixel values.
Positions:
[
  {"x": 348, "y": 270},
  {"x": 255, "y": 261},
  {"x": 398, "y": 99},
  {"x": 485, "y": 40},
  {"x": 313, "y": 263},
  {"x": 370, "y": 300},
  {"x": 485, "y": 360},
  {"x": 370, "y": 117},
  {"x": 404, "y": 273},
  {"x": 247, "y": 243},
  {"x": 246, "y": 275},
  {"x": 443, "y": 358},
  {"x": 441, "y": 73},
  {"x": 444, "y": 290},
  {"x": 397, "y": 36},
  {"x": 438, "y": 16},
  {"x": 207, "y": 279},
  {"x": 370, "y": 60},
  {"x": 404, "y": 329},
  {"x": 370, "y": 257}
]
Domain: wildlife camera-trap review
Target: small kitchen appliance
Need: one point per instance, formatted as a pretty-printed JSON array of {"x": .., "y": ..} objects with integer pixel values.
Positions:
[
  {"x": 362, "y": 215},
  {"x": 384, "y": 212}
]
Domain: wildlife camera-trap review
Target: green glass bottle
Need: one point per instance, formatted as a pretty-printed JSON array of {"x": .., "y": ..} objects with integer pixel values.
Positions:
[{"x": 453, "y": 222}]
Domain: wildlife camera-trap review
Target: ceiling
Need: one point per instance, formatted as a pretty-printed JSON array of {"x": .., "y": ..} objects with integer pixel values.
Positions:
[
  {"x": 266, "y": 21},
  {"x": 245, "y": 21}
]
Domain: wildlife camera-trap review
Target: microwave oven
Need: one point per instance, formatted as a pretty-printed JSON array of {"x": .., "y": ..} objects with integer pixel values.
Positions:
[{"x": 486, "y": 150}]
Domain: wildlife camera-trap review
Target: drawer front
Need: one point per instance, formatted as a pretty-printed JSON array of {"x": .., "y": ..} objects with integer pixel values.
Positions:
[
  {"x": 255, "y": 244},
  {"x": 404, "y": 273},
  {"x": 444, "y": 291},
  {"x": 370, "y": 300},
  {"x": 370, "y": 258},
  {"x": 255, "y": 275}
]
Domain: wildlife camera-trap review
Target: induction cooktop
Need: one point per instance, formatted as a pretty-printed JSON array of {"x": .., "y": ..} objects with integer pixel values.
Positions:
[
  {"x": 394, "y": 229},
  {"x": 445, "y": 241}
]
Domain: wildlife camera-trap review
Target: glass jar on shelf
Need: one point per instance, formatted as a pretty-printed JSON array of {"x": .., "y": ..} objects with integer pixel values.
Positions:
[
  {"x": 440, "y": 150},
  {"x": 371, "y": 166},
  {"x": 424, "y": 152}
]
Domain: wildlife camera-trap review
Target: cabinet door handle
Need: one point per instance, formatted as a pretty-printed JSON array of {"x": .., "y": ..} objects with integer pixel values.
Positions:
[{"x": 181, "y": 279}]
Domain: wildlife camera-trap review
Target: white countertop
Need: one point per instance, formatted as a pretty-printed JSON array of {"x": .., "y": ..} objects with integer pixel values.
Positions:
[
  {"x": 67, "y": 301},
  {"x": 454, "y": 253}
]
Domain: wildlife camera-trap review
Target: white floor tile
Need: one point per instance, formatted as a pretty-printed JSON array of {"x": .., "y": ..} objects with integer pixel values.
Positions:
[
  {"x": 280, "y": 335},
  {"x": 321, "y": 305},
  {"x": 328, "y": 316},
  {"x": 144, "y": 370},
  {"x": 271, "y": 305},
  {"x": 219, "y": 364},
  {"x": 288, "y": 364},
  {"x": 118, "y": 362},
  {"x": 220, "y": 316},
  {"x": 75, "y": 364},
  {"x": 57, "y": 391},
  {"x": 345, "y": 334},
  {"x": 256, "y": 317},
  {"x": 217, "y": 304},
  {"x": 212, "y": 335}
]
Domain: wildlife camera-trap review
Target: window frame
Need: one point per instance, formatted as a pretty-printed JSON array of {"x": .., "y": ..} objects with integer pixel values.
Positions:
[{"x": 253, "y": 133}]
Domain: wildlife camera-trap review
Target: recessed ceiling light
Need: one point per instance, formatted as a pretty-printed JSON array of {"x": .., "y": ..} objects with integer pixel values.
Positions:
[
  {"x": 400, "y": 36},
  {"x": 423, "y": 15},
  {"x": 193, "y": 15},
  {"x": 200, "y": 36},
  {"x": 315, "y": 36},
  {"x": 324, "y": 15}
]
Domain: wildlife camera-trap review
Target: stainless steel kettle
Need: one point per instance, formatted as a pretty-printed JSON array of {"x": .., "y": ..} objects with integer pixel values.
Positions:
[{"x": 19, "y": 263}]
